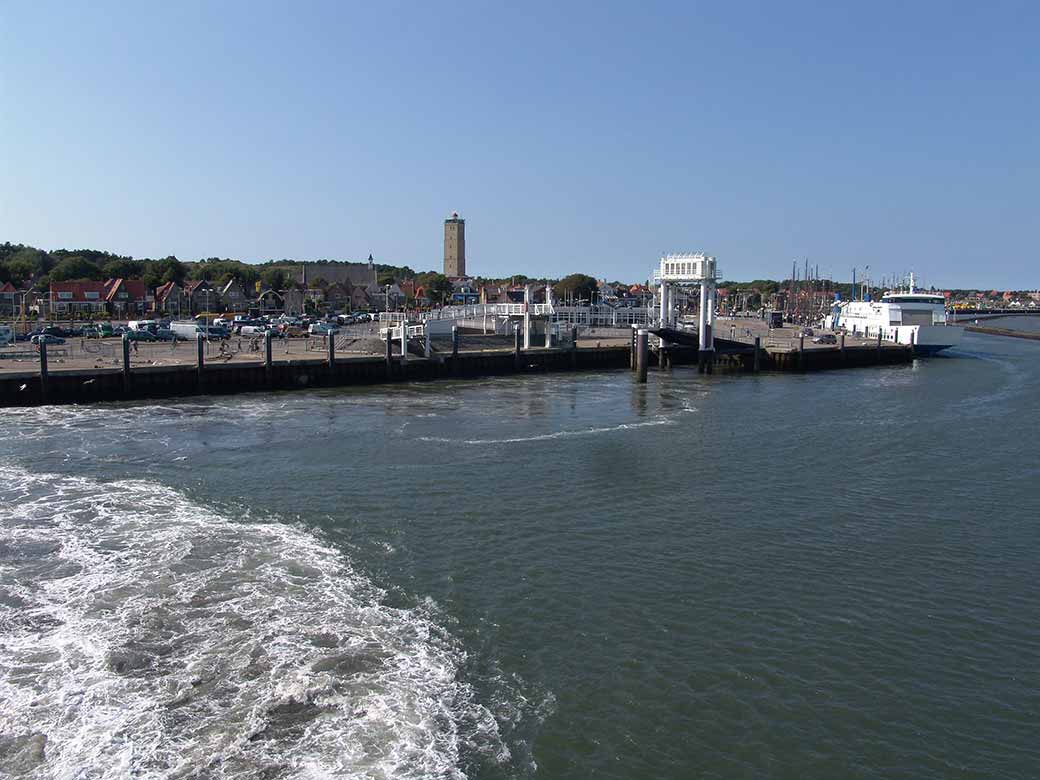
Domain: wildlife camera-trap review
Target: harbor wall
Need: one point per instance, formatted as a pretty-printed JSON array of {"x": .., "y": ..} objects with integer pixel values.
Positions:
[{"x": 96, "y": 385}]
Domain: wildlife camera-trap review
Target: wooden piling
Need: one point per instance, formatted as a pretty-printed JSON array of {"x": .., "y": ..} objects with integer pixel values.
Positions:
[
  {"x": 268, "y": 360},
  {"x": 43, "y": 368},
  {"x": 126, "y": 363},
  {"x": 200, "y": 357},
  {"x": 332, "y": 350},
  {"x": 758, "y": 352}
]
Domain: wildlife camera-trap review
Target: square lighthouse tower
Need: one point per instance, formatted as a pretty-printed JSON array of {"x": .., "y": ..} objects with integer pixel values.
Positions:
[{"x": 454, "y": 246}]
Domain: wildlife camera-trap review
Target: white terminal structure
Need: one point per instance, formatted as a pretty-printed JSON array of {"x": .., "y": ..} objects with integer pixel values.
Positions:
[{"x": 689, "y": 268}]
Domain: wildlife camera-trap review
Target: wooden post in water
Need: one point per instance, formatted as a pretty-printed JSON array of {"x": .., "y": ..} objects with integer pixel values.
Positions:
[
  {"x": 332, "y": 350},
  {"x": 454, "y": 341},
  {"x": 913, "y": 333},
  {"x": 801, "y": 352},
  {"x": 200, "y": 356},
  {"x": 758, "y": 342},
  {"x": 516, "y": 347},
  {"x": 879, "y": 345},
  {"x": 574, "y": 346},
  {"x": 126, "y": 363},
  {"x": 842, "y": 348},
  {"x": 389, "y": 354},
  {"x": 641, "y": 356},
  {"x": 548, "y": 332},
  {"x": 632, "y": 349},
  {"x": 43, "y": 369},
  {"x": 427, "y": 346}
]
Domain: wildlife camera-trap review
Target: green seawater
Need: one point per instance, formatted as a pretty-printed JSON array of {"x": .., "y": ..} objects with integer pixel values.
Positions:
[{"x": 830, "y": 575}]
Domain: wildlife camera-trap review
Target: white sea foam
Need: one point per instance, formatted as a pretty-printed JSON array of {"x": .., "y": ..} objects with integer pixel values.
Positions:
[
  {"x": 567, "y": 433},
  {"x": 145, "y": 635}
]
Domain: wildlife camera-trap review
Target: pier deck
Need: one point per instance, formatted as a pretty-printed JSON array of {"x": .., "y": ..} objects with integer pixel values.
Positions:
[{"x": 162, "y": 370}]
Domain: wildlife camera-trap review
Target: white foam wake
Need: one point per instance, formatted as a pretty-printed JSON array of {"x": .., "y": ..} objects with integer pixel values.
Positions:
[
  {"x": 593, "y": 431},
  {"x": 144, "y": 635}
]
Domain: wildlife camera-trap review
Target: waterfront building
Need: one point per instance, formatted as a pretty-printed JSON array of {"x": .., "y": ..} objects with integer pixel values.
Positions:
[
  {"x": 201, "y": 297},
  {"x": 355, "y": 274},
  {"x": 127, "y": 296},
  {"x": 80, "y": 297},
  {"x": 8, "y": 299},
  {"x": 171, "y": 300},
  {"x": 454, "y": 246},
  {"x": 234, "y": 296}
]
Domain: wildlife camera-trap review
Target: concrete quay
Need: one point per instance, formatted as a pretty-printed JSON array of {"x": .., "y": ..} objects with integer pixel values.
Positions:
[{"x": 29, "y": 380}]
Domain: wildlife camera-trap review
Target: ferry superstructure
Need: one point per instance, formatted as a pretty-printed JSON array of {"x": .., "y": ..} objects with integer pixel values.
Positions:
[{"x": 905, "y": 317}]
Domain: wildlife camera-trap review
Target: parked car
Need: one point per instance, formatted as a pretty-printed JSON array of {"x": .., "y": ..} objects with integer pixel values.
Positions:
[
  {"x": 141, "y": 335},
  {"x": 165, "y": 334},
  {"x": 323, "y": 329},
  {"x": 47, "y": 338},
  {"x": 826, "y": 338},
  {"x": 806, "y": 332}
]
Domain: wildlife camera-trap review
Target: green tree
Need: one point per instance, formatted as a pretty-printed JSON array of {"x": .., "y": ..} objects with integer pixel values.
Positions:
[
  {"x": 274, "y": 278},
  {"x": 172, "y": 270},
  {"x": 121, "y": 268},
  {"x": 74, "y": 267},
  {"x": 439, "y": 288},
  {"x": 576, "y": 287}
]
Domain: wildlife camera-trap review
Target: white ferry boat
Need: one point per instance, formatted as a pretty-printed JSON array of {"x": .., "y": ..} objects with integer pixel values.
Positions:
[{"x": 906, "y": 317}]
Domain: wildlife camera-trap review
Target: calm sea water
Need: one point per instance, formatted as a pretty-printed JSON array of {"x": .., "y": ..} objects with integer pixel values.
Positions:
[{"x": 821, "y": 576}]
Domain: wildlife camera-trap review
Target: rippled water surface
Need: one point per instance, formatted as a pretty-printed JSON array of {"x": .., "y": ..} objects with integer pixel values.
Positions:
[{"x": 819, "y": 576}]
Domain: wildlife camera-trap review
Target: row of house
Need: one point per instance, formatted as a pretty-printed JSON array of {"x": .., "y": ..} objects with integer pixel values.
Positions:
[{"x": 126, "y": 297}]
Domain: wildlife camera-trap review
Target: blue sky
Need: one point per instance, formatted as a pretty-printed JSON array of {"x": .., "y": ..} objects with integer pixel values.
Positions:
[{"x": 571, "y": 136}]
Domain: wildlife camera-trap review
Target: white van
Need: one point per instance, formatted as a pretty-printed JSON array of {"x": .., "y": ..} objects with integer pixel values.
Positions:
[{"x": 151, "y": 325}]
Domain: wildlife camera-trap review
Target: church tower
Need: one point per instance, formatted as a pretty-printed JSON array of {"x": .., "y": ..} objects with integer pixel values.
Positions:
[{"x": 454, "y": 246}]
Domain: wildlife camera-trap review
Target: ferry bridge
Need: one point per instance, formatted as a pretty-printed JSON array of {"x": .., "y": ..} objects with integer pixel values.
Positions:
[{"x": 550, "y": 322}]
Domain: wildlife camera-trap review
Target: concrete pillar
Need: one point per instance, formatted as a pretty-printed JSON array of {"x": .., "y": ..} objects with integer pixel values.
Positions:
[
  {"x": 404, "y": 343},
  {"x": 641, "y": 356},
  {"x": 126, "y": 363},
  {"x": 711, "y": 316},
  {"x": 913, "y": 339},
  {"x": 454, "y": 341},
  {"x": 758, "y": 347},
  {"x": 44, "y": 375},
  {"x": 661, "y": 354},
  {"x": 671, "y": 307},
  {"x": 664, "y": 304},
  {"x": 427, "y": 348},
  {"x": 702, "y": 319},
  {"x": 527, "y": 316},
  {"x": 548, "y": 332}
]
